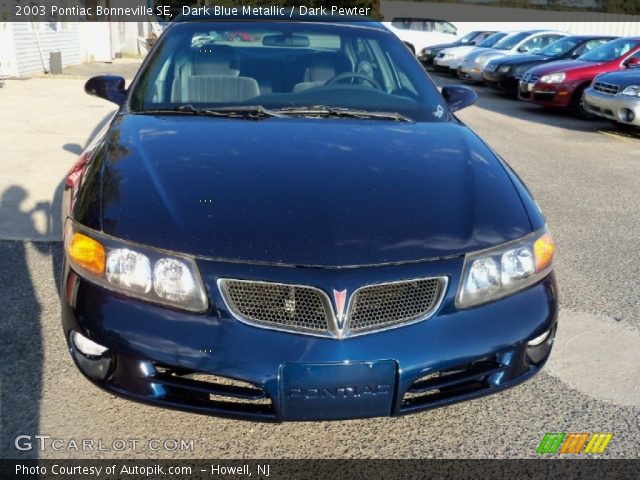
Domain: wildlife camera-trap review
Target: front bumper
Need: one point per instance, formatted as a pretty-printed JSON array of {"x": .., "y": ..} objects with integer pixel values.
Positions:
[
  {"x": 446, "y": 64},
  {"x": 500, "y": 81},
  {"x": 619, "y": 108},
  {"x": 453, "y": 356},
  {"x": 557, "y": 95},
  {"x": 426, "y": 59},
  {"x": 470, "y": 71}
]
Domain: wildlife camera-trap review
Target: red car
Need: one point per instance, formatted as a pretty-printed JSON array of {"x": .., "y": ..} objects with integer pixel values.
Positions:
[{"x": 561, "y": 84}]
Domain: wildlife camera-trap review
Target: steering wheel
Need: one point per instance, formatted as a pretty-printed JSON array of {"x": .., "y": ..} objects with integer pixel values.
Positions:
[{"x": 351, "y": 75}]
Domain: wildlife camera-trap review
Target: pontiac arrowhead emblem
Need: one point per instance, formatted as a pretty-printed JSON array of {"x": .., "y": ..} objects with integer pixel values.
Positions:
[{"x": 340, "y": 298}]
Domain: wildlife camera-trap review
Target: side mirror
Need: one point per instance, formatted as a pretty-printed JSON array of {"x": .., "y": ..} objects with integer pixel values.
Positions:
[
  {"x": 459, "y": 97},
  {"x": 109, "y": 87},
  {"x": 632, "y": 62}
]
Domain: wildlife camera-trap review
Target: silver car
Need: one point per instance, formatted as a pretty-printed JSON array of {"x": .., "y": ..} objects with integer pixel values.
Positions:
[
  {"x": 528, "y": 41},
  {"x": 616, "y": 96}
]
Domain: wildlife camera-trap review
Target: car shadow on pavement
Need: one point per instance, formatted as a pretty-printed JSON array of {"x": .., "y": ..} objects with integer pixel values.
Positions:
[
  {"x": 21, "y": 313},
  {"x": 20, "y": 331}
]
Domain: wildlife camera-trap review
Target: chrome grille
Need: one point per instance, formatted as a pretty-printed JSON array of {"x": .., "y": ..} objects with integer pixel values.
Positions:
[
  {"x": 606, "y": 88},
  {"x": 308, "y": 310},
  {"x": 289, "y": 307},
  {"x": 386, "y": 305}
]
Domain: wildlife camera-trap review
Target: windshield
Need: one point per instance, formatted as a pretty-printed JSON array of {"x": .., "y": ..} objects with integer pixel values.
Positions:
[
  {"x": 610, "y": 51},
  {"x": 468, "y": 37},
  {"x": 560, "y": 47},
  {"x": 510, "y": 41},
  {"x": 281, "y": 65},
  {"x": 492, "y": 40}
]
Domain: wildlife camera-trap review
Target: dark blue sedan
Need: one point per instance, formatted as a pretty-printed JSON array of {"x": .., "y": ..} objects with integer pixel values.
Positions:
[{"x": 286, "y": 221}]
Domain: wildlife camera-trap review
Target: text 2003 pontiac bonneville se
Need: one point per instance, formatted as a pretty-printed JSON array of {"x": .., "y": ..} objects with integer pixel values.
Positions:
[{"x": 285, "y": 221}]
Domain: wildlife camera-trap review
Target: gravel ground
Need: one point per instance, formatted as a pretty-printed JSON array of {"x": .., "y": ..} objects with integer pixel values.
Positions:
[{"x": 585, "y": 178}]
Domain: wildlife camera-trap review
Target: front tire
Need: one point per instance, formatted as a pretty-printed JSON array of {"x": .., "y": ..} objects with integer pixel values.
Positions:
[{"x": 577, "y": 103}]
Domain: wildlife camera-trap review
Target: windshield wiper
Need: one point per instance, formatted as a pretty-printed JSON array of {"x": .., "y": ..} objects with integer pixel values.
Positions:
[
  {"x": 251, "y": 112},
  {"x": 326, "y": 111}
]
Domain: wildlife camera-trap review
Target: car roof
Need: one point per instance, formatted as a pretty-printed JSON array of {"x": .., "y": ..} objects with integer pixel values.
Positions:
[
  {"x": 534, "y": 32},
  {"x": 592, "y": 36}
]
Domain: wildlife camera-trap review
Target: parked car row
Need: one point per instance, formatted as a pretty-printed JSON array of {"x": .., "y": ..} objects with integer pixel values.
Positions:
[{"x": 592, "y": 75}]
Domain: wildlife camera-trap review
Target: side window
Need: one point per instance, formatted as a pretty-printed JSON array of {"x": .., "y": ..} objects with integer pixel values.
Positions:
[
  {"x": 538, "y": 43},
  {"x": 590, "y": 45},
  {"x": 422, "y": 25},
  {"x": 479, "y": 38},
  {"x": 624, "y": 49},
  {"x": 444, "y": 27},
  {"x": 549, "y": 39}
]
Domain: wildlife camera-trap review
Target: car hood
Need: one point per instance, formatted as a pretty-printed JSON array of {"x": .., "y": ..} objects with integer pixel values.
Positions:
[
  {"x": 523, "y": 59},
  {"x": 442, "y": 46},
  {"x": 470, "y": 52},
  {"x": 561, "y": 66},
  {"x": 304, "y": 191},
  {"x": 622, "y": 78}
]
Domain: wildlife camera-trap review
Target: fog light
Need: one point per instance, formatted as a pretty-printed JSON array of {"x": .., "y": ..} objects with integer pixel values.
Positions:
[
  {"x": 86, "y": 346},
  {"x": 93, "y": 359},
  {"x": 538, "y": 348},
  {"x": 539, "y": 339},
  {"x": 626, "y": 115}
]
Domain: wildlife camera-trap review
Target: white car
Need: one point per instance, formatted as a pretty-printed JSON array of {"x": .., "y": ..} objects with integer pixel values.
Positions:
[
  {"x": 528, "y": 41},
  {"x": 422, "y": 32}
]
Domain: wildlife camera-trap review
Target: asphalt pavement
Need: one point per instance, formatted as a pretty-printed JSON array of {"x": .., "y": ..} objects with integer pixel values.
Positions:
[{"x": 583, "y": 174}]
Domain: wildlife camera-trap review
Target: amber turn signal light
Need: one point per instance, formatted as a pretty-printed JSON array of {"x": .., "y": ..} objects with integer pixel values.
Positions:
[
  {"x": 543, "y": 252},
  {"x": 87, "y": 253}
]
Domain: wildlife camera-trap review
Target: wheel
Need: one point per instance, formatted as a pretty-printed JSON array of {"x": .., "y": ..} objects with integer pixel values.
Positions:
[{"x": 577, "y": 103}]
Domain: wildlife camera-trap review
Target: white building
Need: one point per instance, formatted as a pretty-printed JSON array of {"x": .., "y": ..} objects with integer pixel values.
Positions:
[{"x": 25, "y": 47}]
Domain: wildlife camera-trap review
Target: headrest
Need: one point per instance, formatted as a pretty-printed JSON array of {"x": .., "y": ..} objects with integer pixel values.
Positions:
[{"x": 214, "y": 59}]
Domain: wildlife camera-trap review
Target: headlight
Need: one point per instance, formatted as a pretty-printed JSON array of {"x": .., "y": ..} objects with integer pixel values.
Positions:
[
  {"x": 504, "y": 68},
  {"x": 553, "y": 78},
  {"x": 503, "y": 270},
  {"x": 480, "y": 59},
  {"x": 141, "y": 272},
  {"x": 631, "y": 91}
]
